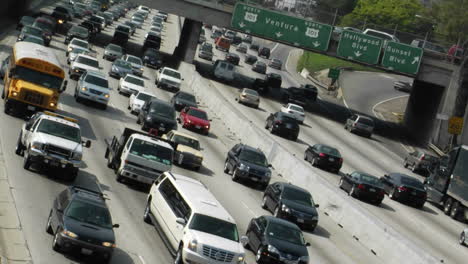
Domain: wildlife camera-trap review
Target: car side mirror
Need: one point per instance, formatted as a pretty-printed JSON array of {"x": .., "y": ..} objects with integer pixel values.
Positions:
[
  {"x": 86, "y": 144},
  {"x": 307, "y": 244},
  {"x": 244, "y": 240},
  {"x": 180, "y": 221},
  {"x": 317, "y": 205},
  {"x": 115, "y": 226},
  {"x": 210, "y": 120}
]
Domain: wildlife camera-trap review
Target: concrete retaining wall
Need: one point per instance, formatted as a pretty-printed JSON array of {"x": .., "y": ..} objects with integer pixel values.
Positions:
[{"x": 381, "y": 239}]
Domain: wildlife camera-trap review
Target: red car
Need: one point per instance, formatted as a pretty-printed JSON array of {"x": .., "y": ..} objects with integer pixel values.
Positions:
[{"x": 194, "y": 118}]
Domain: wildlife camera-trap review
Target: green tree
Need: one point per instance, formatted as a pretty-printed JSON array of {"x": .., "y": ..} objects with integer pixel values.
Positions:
[
  {"x": 386, "y": 13},
  {"x": 452, "y": 19},
  {"x": 344, "y": 6}
]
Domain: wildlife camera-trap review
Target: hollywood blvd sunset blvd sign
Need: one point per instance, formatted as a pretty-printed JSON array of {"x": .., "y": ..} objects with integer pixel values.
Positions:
[
  {"x": 359, "y": 47},
  {"x": 402, "y": 58},
  {"x": 282, "y": 28}
]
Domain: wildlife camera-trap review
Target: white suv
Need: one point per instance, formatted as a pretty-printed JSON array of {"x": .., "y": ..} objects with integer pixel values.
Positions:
[
  {"x": 169, "y": 78},
  {"x": 93, "y": 86},
  {"x": 196, "y": 226}
]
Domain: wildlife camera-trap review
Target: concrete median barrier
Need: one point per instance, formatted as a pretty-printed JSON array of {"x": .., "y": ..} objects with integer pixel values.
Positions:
[{"x": 384, "y": 241}]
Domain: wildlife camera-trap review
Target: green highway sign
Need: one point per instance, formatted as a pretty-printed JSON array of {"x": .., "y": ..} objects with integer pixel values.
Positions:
[
  {"x": 402, "y": 58},
  {"x": 280, "y": 27},
  {"x": 333, "y": 73},
  {"x": 359, "y": 47}
]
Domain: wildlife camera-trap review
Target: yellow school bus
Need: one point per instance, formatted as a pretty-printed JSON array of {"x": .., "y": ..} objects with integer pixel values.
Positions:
[{"x": 33, "y": 80}]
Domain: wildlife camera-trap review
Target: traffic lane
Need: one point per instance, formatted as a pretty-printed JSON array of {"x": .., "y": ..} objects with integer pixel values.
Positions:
[
  {"x": 376, "y": 163},
  {"x": 114, "y": 209},
  {"x": 363, "y": 90}
]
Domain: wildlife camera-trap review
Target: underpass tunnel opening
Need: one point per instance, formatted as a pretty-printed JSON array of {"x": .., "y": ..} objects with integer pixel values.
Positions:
[
  {"x": 188, "y": 42},
  {"x": 422, "y": 109}
]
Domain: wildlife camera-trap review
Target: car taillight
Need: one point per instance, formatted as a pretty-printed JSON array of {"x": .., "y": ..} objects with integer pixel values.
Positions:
[
  {"x": 278, "y": 122},
  {"x": 126, "y": 161},
  {"x": 360, "y": 186},
  {"x": 402, "y": 189},
  {"x": 340, "y": 160},
  {"x": 322, "y": 155},
  {"x": 422, "y": 158}
]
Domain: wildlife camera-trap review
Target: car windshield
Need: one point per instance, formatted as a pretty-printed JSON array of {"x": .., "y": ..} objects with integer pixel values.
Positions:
[
  {"x": 144, "y": 97},
  {"x": 163, "y": 110},
  {"x": 79, "y": 30},
  {"x": 261, "y": 64},
  {"x": 172, "y": 73},
  {"x": 151, "y": 151},
  {"x": 285, "y": 233},
  {"x": 124, "y": 29},
  {"x": 430, "y": 158},
  {"x": 137, "y": 19},
  {"x": 198, "y": 114},
  {"x": 60, "y": 130},
  {"x": 193, "y": 143},
  {"x": 98, "y": 81},
  {"x": 151, "y": 53},
  {"x": 37, "y": 77},
  {"x": 33, "y": 39},
  {"x": 134, "y": 60},
  {"x": 88, "y": 61},
  {"x": 275, "y": 76},
  {"x": 298, "y": 196},
  {"x": 32, "y": 31},
  {"x": 187, "y": 96},
  {"x": 366, "y": 121},
  {"x": 412, "y": 183},
  {"x": 123, "y": 64},
  {"x": 296, "y": 108},
  {"x": 287, "y": 119},
  {"x": 89, "y": 213},
  {"x": 136, "y": 81},
  {"x": 80, "y": 43},
  {"x": 251, "y": 92},
  {"x": 369, "y": 179},
  {"x": 214, "y": 226},
  {"x": 330, "y": 151},
  {"x": 254, "y": 157},
  {"x": 114, "y": 48},
  {"x": 43, "y": 25}
]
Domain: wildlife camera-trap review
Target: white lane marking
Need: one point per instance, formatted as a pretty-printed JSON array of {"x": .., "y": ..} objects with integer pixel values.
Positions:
[
  {"x": 378, "y": 115},
  {"x": 250, "y": 210},
  {"x": 276, "y": 45},
  {"x": 142, "y": 259}
]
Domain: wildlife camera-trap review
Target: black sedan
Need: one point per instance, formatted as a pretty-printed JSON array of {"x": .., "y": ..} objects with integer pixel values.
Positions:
[
  {"x": 363, "y": 186},
  {"x": 283, "y": 124},
  {"x": 404, "y": 188},
  {"x": 152, "y": 58},
  {"x": 291, "y": 203},
  {"x": 323, "y": 156},
  {"x": 260, "y": 67},
  {"x": 81, "y": 222},
  {"x": 276, "y": 241},
  {"x": 250, "y": 59},
  {"x": 180, "y": 100},
  {"x": 233, "y": 58}
]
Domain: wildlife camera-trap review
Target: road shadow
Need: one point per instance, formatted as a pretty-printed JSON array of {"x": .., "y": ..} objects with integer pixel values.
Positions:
[
  {"x": 319, "y": 231},
  {"x": 386, "y": 207},
  {"x": 300, "y": 141},
  {"x": 118, "y": 257},
  {"x": 429, "y": 210},
  {"x": 87, "y": 131}
]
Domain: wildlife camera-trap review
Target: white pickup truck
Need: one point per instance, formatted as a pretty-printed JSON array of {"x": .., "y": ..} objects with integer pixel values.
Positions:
[
  {"x": 169, "y": 78},
  {"x": 49, "y": 139}
]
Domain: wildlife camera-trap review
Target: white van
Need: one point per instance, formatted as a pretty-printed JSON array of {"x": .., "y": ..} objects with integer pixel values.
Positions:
[
  {"x": 224, "y": 71},
  {"x": 191, "y": 221}
]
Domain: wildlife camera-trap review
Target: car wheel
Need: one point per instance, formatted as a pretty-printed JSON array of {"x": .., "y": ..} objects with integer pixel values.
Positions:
[
  {"x": 146, "y": 215},
  {"x": 314, "y": 162},
  {"x": 138, "y": 121},
  {"x": 391, "y": 195},
  {"x": 178, "y": 257},
  {"x": 352, "y": 191},
  {"x": 19, "y": 146},
  {"x": 55, "y": 244},
  {"x": 266, "y": 125},
  {"x": 264, "y": 200},
  {"x": 305, "y": 157},
  {"x": 448, "y": 206},
  {"x": 341, "y": 184},
  {"x": 26, "y": 161},
  {"x": 48, "y": 225},
  {"x": 414, "y": 168},
  {"x": 246, "y": 245},
  {"x": 226, "y": 167},
  {"x": 234, "y": 175},
  {"x": 118, "y": 177},
  {"x": 462, "y": 239},
  {"x": 454, "y": 212},
  {"x": 258, "y": 256},
  {"x": 405, "y": 164}
]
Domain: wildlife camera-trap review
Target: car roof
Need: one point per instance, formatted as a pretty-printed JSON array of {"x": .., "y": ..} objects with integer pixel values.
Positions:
[
  {"x": 153, "y": 140},
  {"x": 285, "y": 114},
  {"x": 133, "y": 76},
  {"x": 272, "y": 219},
  {"x": 97, "y": 74},
  {"x": 178, "y": 133},
  {"x": 292, "y": 187},
  {"x": 59, "y": 120},
  {"x": 365, "y": 117},
  {"x": 87, "y": 56},
  {"x": 200, "y": 198},
  {"x": 195, "y": 108},
  {"x": 159, "y": 101},
  {"x": 250, "y": 148}
]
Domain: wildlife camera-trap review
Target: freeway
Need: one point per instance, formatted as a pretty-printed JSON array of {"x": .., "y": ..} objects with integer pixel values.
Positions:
[
  {"x": 138, "y": 242},
  {"x": 428, "y": 228}
]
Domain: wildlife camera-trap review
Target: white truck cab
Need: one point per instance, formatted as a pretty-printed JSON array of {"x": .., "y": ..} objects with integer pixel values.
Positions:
[
  {"x": 52, "y": 140},
  {"x": 169, "y": 78}
]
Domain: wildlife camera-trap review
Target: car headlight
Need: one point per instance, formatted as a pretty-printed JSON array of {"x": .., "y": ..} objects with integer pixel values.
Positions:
[
  {"x": 69, "y": 234},
  {"x": 84, "y": 88},
  {"x": 305, "y": 259},
  {"x": 70, "y": 49},
  {"x": 284, "y": 208},
  {"x": 148, "y": 118},
  {"x": 106, "y": 95},
  {"x": 207, "y": 126},
  {"x": 52, "y": 104},
  {"x": 109, "y": 244},
  {"x": 14, "y": 93},
  {"x": 315, "y": 217},
  {"x": 244, "y": 167},
  {"x": 240, "y": 259},
  {"x": 77, "y": 156},
  {"x": 141, "y": 68},
  {"x": 192, "y": 245},
  {"x": 267, "y": 174},
  {"x": 273, "y": 250},
  {"x": 37, "y": 145}
]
